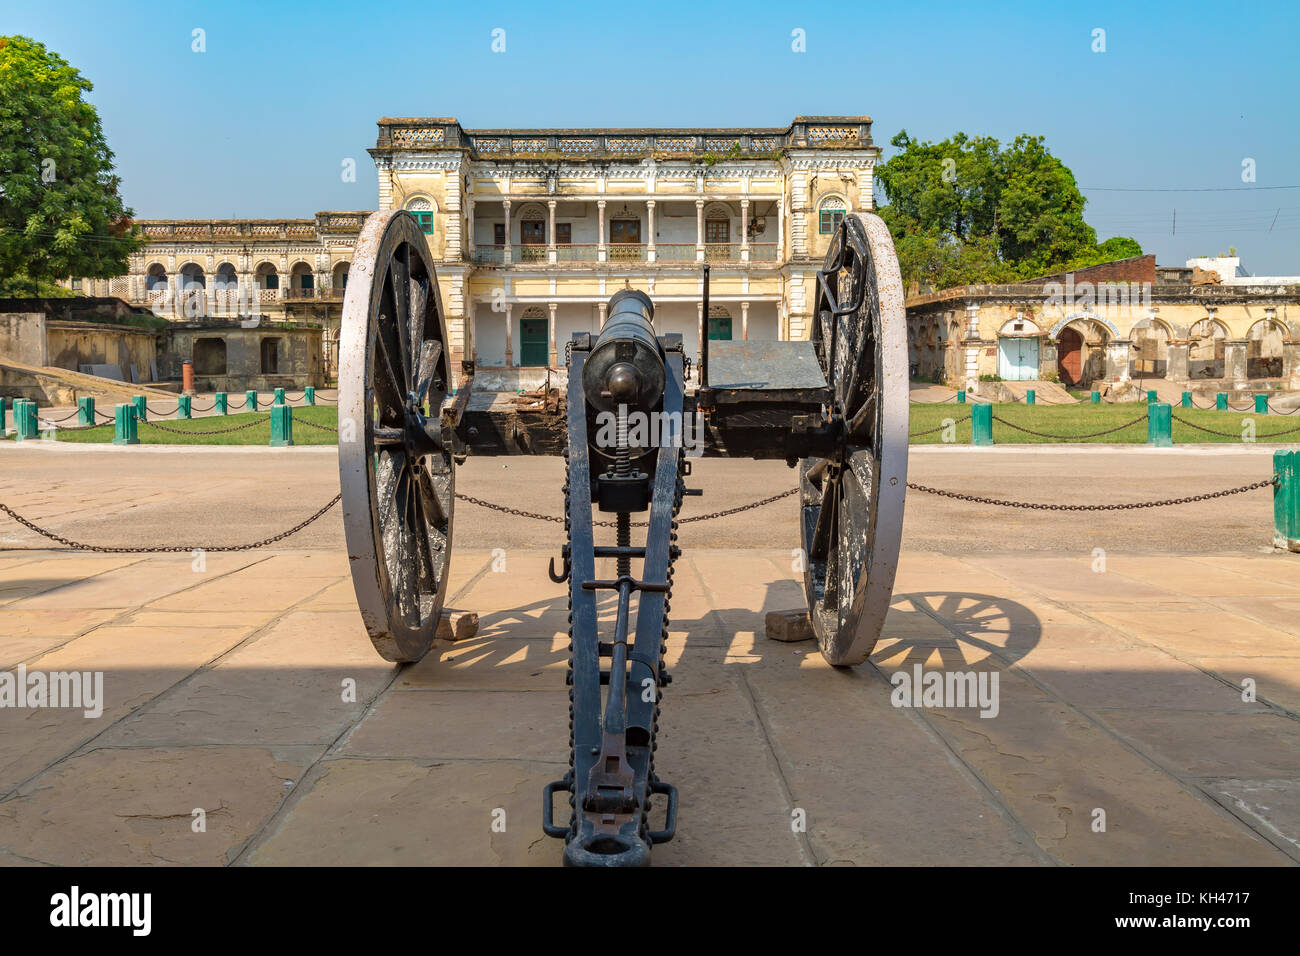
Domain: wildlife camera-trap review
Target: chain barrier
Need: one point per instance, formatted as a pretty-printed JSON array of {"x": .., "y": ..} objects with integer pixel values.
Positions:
[
  {"x": 214, "y": 431},
  {"x": 518, "y": 513},
  {"x": 931, "y": 431},
  {"x": 323, "y": 428},
  {"x": 81, "y": 428},
  {"x": 1130, "y": 506},
  {"x": 1108, "y": 431},
  {"x": 55, "y": 421},
  {"x": 167, "y": 549},
  {"x": 1183, "y": 421}
]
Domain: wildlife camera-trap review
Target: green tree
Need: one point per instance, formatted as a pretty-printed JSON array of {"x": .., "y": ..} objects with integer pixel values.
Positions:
[
  {"x": 60, "y": 212},
  {"x": 969, "y": 210}
]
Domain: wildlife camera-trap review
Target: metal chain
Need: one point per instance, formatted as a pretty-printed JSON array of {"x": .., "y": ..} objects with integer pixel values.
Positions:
[
  {"x": 931, "y": 431},
  {"x": 1039, "y": 506},
  {"x": 160, "y": 549},
  {"x": 504, "y": 509},
  {"x": 324, "y": 428},
  {"x": 81, "y": 428},
  {"x": 214, "y": 431},
  {"x": 1108, "y": 431},
  {"x": 1184, "y": 421},
  {"x": 55, "y": 421}
]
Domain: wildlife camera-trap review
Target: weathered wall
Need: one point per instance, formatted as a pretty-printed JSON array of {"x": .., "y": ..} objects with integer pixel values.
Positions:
[
  {"x": 298, "y": 361},
  {"x": 73, "y": 344},
  {"x": 22, "y": 336}
]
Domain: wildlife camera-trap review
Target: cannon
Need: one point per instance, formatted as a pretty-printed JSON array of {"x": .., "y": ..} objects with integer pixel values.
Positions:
[{"x": 834, "y": 407}]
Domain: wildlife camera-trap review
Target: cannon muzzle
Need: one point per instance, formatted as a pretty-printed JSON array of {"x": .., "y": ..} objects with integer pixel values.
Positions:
[{"x": 626, "y": 365}]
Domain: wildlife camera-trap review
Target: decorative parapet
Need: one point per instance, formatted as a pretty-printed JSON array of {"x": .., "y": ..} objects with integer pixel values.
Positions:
[
  {"x": 446, "y": 133},
  {"x": 261, "y": 230}
]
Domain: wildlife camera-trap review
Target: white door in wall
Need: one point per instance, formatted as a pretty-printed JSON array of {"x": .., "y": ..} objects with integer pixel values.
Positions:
[{"x": 1018, "y": 359}]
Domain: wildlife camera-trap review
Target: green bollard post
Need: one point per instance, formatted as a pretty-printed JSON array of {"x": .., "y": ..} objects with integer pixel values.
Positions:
[
  {"x": 1261, "y": 404},
  {"x": 1286, "y": 500},
  {"x": 220, "y": 399},
  {"x": 141, "y": 407},
  {"x": 1187, "y": 400},
  {"x": 1160, "y": 425},
  {"x": 25, "y": 419},
  {"x": 86, "y": 410},
  {"x": 125, "y": 421},
  {"x": 1221, "y": 402},
  {"x": 4, "y": 429},
  {"x": 1029, "y": 396},
  {"x": 281, "y": 426},
  {"x": 183, "y": 407},
  {"x": 1095, "y": 397},
  {"x": 981, "y": 424},
  {"x": 250, "y": 400},
  {"x": 309, "y": 394},
  {"x": 961, "y": 396},
  {"x": 1152, "y": 397},
  {"x": 279, "y": 396}
]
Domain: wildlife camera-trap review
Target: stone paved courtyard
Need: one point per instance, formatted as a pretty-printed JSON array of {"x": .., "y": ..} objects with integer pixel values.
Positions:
[{"x": 223, "y": 688}]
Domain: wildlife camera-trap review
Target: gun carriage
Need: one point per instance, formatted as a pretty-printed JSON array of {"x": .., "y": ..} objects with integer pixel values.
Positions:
[{"x": 834, "y": 407}]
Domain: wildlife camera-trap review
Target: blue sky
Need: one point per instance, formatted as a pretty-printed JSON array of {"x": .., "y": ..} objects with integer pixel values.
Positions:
[{"x": 260, "y": 123}]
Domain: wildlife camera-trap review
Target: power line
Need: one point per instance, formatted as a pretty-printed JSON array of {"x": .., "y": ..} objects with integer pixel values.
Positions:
[{"x": 1180, "y": 189}]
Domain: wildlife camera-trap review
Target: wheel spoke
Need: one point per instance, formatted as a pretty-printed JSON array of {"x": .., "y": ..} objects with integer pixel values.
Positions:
[
  {"x": 400, "y": 278},
  {"x": 419, "y": 306},
  {"x": 433, "y": 508},
  {"x": 821, "y": 537}
]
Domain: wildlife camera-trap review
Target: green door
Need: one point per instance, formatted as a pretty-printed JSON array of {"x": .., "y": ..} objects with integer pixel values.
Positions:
[
  {"x": 720, "y": 327},
  {"x": 533, "y": 347}
]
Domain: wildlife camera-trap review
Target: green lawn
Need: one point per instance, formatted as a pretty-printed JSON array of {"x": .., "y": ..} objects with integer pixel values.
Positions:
[
  {"x": 259, "y": 434},
  {"x": 1070, "y": 421},
  {"x": 1066, "y": 421}
]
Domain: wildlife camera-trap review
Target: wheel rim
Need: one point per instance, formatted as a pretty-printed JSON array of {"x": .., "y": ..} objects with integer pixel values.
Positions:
[
  {"x": 852, "y": 502},
  {"x": 395, "y": 467}
]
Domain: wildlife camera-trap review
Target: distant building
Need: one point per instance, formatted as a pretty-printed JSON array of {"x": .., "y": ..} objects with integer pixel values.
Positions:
[
  {"x": 533, "y": 229},
  {"x": 1230, "y": 272},
  {"x": 1124, "y": 321},
  {"x": 286, "y": 271}
]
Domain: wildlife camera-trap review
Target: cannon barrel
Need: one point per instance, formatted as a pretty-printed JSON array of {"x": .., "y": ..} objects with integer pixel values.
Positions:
[{"x": 626, "y": 364}]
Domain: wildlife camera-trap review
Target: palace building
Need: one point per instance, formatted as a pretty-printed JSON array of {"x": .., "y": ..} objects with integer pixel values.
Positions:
[
  {"x": 532, "y": 230},
  {"x": 286, "y": 272}
]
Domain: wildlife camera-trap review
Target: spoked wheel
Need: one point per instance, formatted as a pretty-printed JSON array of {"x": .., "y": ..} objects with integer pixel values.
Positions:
[
  {"x": 395, "y": 465},
  {"x": 852, "y": 500}
]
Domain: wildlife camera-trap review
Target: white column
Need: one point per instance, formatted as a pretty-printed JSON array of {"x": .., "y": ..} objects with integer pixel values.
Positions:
[
  {"x": 701, "y": 331},
  {"x": 469, "y": 208},
  {"x": 507, "y": 258},
  {"x": 650, "y": 214},
  {"x": 744, "y": 320},
  {"x": 780, "y": 230},
  {"x": 600, "y": 235},
  {"x": 550, "y": 249},
  {"x": 744, "y": 231},
  {"x": 699, "y": 230},
  {"x": 550, "y": 328},
  {"x": 471, "y": 347},
  {"x": 509, "y": 337},
  {"x": 603, "y": 307}
]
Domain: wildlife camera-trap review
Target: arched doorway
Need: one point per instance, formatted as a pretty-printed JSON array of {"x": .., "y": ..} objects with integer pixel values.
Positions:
[
  {"x": 1069, "y": 356},
  {"x": 1264, "y": 350},
  {"x": 1206, "y": 342}
]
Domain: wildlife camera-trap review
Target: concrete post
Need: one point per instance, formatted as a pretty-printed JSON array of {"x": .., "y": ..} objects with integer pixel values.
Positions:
[
  {"x": 1286, "y": 500},
  {"x": 281, "y": 426},
  {"x": 279, "y": 396},
  {"x": 1029, "y": 396},
  {"x": 1221, "y": 402},
  {"x": 309, "y": 395},
  {"x": 1160, "y": 425},
  {"x": 250, "y": 400},
  {"x": 141, "y": 407},
  {"x": 183, "y": 407},
  {"x": 85, "y": 410},
  {"x": 1187, "y": 400},
  {"x": 981, "y": 424},
  {"x": 1095, "y": 397},
  {"x": 1234, "y": 362},
  {"x": 124, "y": 420},
  {"x": 220, "y": 399},
  {"x": 1261, "y": 404}
]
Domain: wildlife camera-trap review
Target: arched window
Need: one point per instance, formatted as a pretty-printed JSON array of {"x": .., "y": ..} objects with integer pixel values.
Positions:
[
  {"x": 830, "y": 213},
  {"x": 422, "y": 209}
]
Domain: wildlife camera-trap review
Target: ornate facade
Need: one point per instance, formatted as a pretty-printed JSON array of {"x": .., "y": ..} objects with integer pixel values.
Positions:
[
  {"x": 533, "y": 229},
  {"x": 283, "y": 271}
]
